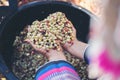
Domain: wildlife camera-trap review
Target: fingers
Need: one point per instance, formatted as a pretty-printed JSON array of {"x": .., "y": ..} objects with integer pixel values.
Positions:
[
  {"x": 67, "y": 45},
  {"x": 59, "y": 45},
  {"x": 37, "y": 49},
  {"x": 43, "y": 50}
]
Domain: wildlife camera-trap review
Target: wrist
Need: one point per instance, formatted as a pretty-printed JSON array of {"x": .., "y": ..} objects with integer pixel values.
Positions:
[{"x": 54, "y": 56}]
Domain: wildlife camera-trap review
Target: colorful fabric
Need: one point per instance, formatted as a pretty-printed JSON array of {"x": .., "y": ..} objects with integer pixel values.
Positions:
[
  {"x": 108, "y": 64},
  {"x": 57, "y": 70}
]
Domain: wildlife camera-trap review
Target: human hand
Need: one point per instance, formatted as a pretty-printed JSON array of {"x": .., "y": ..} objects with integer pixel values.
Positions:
[
  {"x": 75, "y": 47},
  {"x": 51, "y": 54}
]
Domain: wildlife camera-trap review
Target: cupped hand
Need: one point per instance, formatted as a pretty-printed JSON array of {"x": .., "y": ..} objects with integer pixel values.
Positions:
[
  {"x": 75, "y": 47},
  {"x": 51, "y": 54},
  {"x": 68, "y": 45}
]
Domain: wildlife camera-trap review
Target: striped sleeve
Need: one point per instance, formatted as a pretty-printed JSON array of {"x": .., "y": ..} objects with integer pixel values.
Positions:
[{"x": 57, "y": 70}]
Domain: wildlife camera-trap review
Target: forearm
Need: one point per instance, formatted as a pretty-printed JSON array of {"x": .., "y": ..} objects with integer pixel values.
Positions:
[
  {"x": 57, "y": 57},
  {"x": 78, "y": 49}
]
